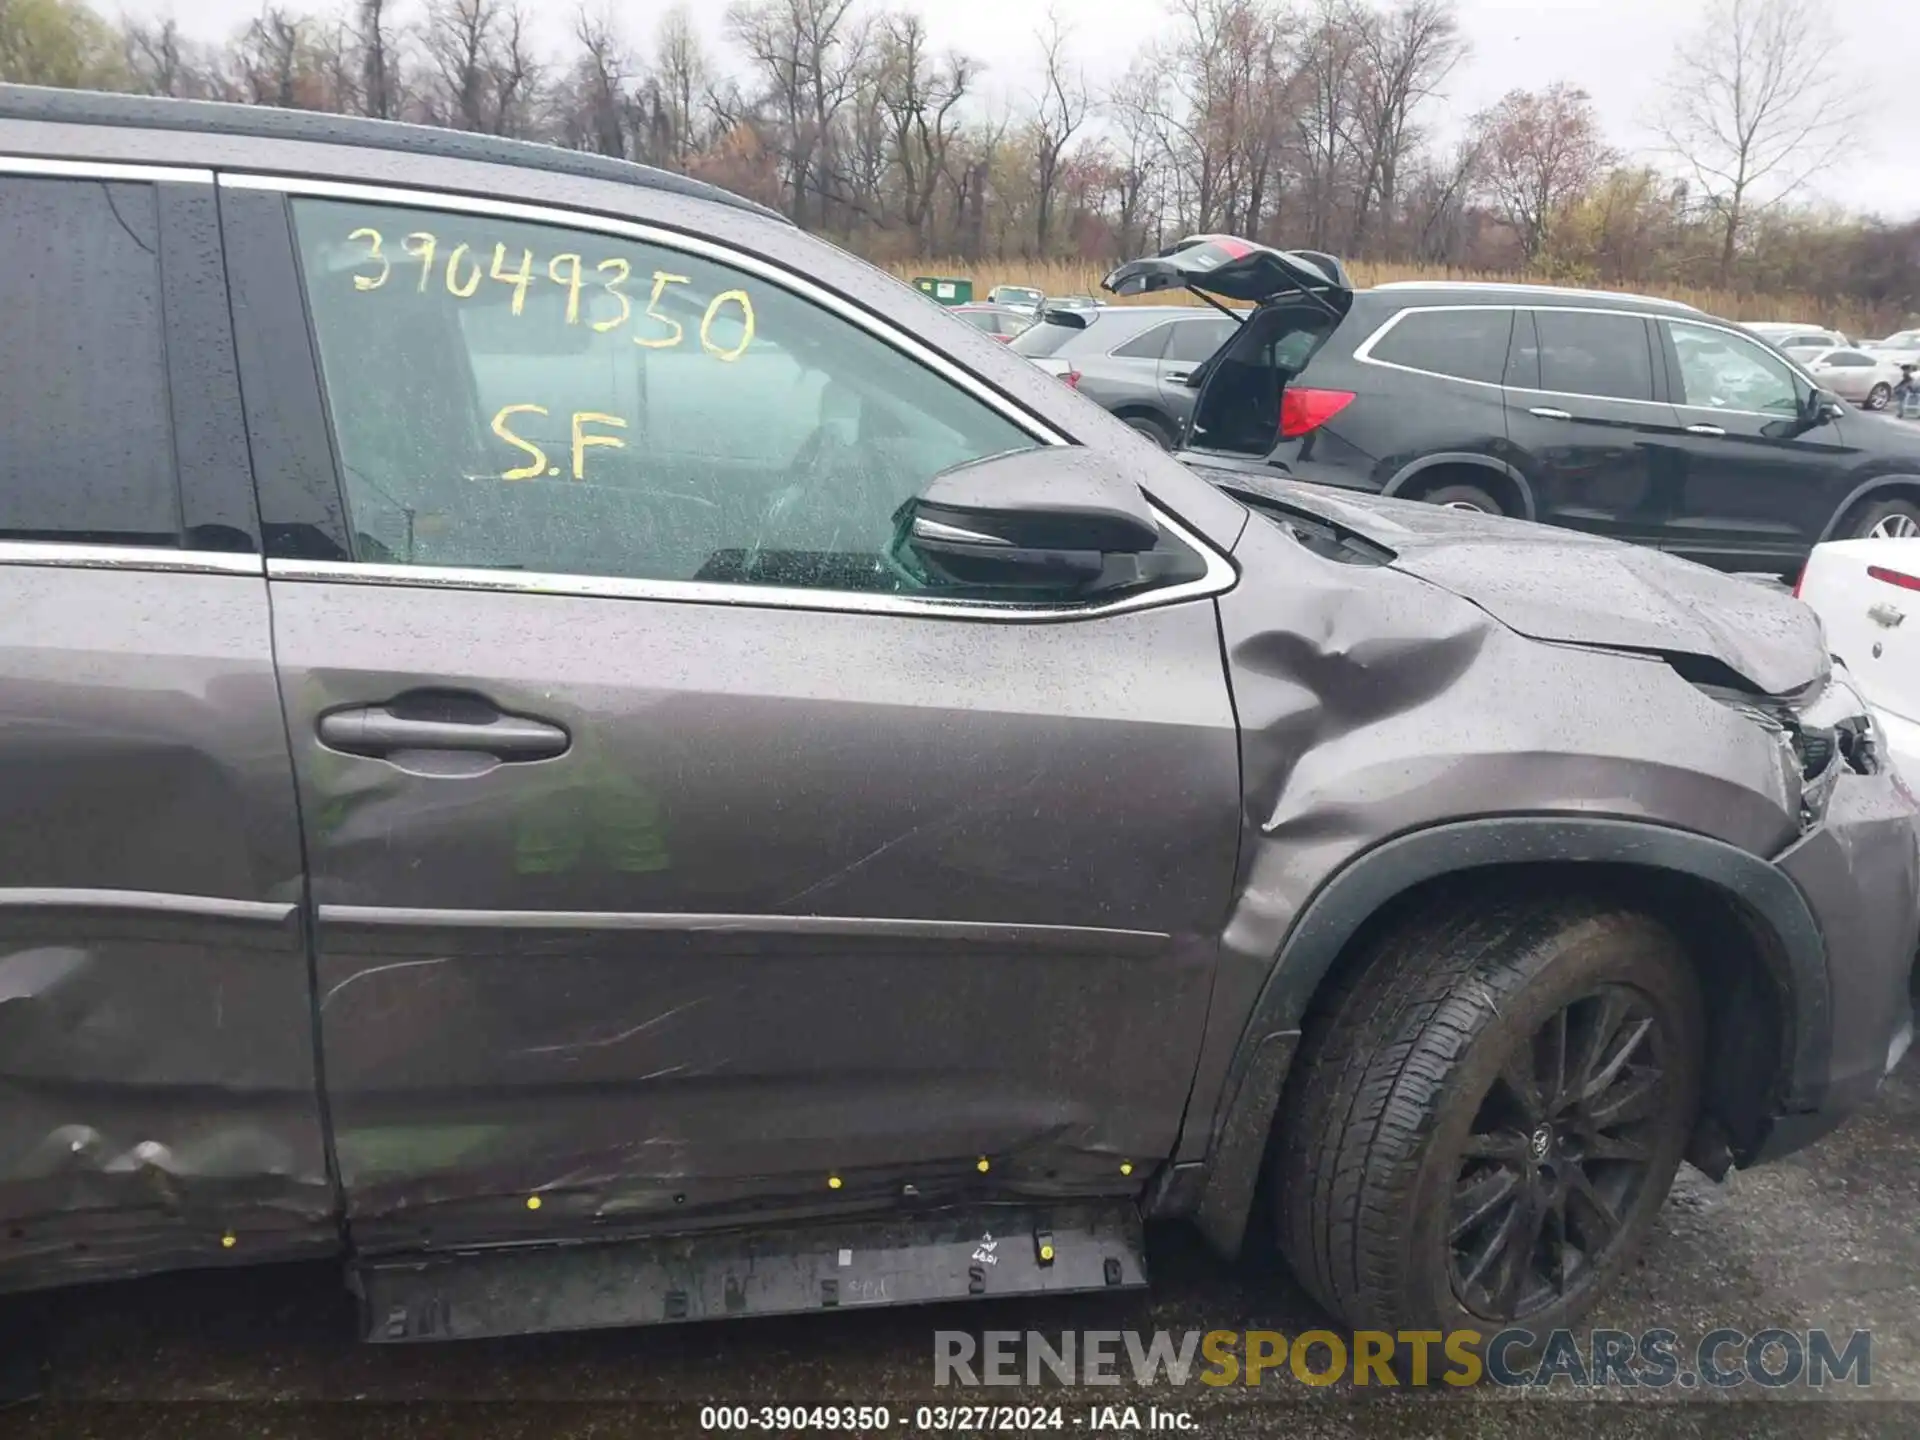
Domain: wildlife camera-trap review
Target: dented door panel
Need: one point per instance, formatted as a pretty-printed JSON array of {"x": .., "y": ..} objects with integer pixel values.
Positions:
[
  {"x": 809, "y": 897},
  {"x": 157, "y": 1089}
]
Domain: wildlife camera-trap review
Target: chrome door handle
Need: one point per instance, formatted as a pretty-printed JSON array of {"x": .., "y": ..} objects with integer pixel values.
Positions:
[
  {"x": 1705, "y": 430},
  {"x": 1179, "y": 377},
  {"x": 1548, "y": 413}
]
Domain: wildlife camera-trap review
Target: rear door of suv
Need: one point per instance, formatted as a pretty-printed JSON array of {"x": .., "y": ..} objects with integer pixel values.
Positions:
[
  {"x": 157, "y": 1091},
  {"x": 1587, "y": 424}
]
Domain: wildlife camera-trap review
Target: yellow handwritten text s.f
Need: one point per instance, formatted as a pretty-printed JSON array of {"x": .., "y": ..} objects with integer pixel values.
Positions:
[
  {"x": 582, "y": 440},
  {"x": 537, "y": 466}
]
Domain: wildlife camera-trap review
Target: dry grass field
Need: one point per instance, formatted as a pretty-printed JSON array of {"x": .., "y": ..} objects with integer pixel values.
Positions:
[{"x": 1069, "y": 278}]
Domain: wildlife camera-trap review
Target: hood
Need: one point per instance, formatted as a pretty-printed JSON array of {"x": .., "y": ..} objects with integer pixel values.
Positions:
[
  {"x": 1568, "y": 588},
  {"x": 1231, "y": 268}
]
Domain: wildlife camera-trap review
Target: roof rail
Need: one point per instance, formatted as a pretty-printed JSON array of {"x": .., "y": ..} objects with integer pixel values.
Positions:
[
  {"x": 260, "y": 122},
  {"x": 1524, "y": 288}
]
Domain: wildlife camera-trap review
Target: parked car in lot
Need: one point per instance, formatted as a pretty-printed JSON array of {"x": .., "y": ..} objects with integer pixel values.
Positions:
[
  {"x": 1017, "y": 297},
  {"x": 1637, "y": 419},
  {"x": 1864, "y": 592},
  {"x": 1136, "y": 360},
  {"x": 1865, "y": 378},
  {"x": 1003, "y": 322},
  {"x": 605, "y": 804},
  {"x": 1795, "y": 339}
]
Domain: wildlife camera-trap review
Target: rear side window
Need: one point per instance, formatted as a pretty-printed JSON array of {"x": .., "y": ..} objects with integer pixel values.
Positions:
[
  {"x": 1463, "y": 344},
  {"x": 1584, "y": 353},
  {"x": 1195, "y": 340},
  {"x": 86, "y": 434},
  {"x": 1049, "y": 336},
  {"x": 1149, "y": 344}
]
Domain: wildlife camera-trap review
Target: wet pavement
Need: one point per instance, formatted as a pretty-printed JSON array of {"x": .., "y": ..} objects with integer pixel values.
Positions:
[{"x": 1827, "y": 1239}]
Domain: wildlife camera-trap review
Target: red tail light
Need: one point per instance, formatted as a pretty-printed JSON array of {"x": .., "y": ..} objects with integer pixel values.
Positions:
[
  {"x": 1003, "y": 339},
  {"x": 1071, "y": 378},
  {"x": 1800, "y": 580},
  {"x": 1304, "y": 410},
  {"x": 1894, "y": 577}
]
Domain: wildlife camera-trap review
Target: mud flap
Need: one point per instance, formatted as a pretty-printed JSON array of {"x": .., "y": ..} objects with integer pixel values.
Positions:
[{"x": 955, "y": 1254}]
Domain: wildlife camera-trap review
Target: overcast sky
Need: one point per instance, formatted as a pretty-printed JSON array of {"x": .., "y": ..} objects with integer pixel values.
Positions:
[{"x": 1615, "y": 49}]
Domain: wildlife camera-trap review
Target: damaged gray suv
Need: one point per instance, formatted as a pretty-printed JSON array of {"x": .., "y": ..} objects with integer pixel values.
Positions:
[{"x": 597, "y": 759}]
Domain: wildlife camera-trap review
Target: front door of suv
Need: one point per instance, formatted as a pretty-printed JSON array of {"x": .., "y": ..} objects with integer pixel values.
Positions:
[
  {"x": 1583, "y": 417},
  {"x": 1757, "y": 483},
  {"x": 670, "y": 853}
]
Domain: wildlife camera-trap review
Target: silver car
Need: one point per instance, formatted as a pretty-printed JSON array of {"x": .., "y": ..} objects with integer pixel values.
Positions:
[
  {"x": 1865, "y": 377},
  {"x": 1137, "y": 361}
]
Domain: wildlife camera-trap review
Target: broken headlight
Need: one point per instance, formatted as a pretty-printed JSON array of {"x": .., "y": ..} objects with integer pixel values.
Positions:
[{"x": 1823, "y": 733}]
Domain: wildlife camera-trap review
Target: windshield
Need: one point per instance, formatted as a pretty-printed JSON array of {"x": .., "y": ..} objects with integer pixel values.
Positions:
[{"x": 1016, "y": 294}]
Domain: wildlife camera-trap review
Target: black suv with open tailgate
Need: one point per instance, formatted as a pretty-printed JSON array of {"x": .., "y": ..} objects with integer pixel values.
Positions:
[{"x": 1640, "y": 419}]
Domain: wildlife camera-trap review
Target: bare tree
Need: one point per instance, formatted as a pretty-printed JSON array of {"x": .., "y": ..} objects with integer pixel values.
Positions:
[
  {"x": 1059, "y": 110},
  {"x": 683, "y": 85},
  {"x": 806, "y": 56},
  {"x": 1137, "y": 169},
  {"x": 481, "y": 66},
  {"x": 160, "y": 59},
  {"x": 1540, "y": 150},
  {"x": 598, "y": 114},
  {"x": 1754, "y": 106},
  {"x": 380, "y": 91},
  {"x": 920, "y": 99},
  {"x": 1404, "y": 57}
]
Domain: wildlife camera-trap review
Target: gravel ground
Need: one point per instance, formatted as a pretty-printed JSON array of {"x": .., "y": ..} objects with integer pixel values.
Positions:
[{"x": 1827, "y": 1238}]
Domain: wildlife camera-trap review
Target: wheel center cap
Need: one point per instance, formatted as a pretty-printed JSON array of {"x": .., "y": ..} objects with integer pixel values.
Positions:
[{"x": 1540, "y": 1142}]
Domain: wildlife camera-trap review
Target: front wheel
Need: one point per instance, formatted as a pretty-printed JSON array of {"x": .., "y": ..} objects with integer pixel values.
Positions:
[
  {"x": 1484, "y": 1126},
  {"x": 1463, "y": 497},
  {"x": 1890, "y": 519},
  {"x": 1880, "y": 396}
]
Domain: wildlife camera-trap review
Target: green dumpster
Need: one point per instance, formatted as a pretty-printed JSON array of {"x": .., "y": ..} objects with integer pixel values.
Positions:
[{"x": 945, "y": 289}]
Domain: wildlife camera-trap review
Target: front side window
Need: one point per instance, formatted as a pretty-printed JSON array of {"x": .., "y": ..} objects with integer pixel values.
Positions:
[
  {"x": 1463, "y": 344},
  {"x": 86, "y": 429},
  {"x": 1720, "y": 370},
  {"x": 508, "y": 395},
  {"x": 1589, "y": 353}
]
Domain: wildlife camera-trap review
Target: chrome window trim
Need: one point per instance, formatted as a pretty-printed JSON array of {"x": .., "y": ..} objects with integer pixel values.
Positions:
[
  {"x": 1220, "y": 577},
  {"x": 60, "y": 555},
  {"x": 1220, "y": 574},
  {"x": 103, "y": 170}
]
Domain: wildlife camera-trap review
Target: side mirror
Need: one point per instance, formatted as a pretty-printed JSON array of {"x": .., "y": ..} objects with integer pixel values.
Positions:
[
  {"x": 1056, "y": 518},
  {"x": 1823, "y": 406}
]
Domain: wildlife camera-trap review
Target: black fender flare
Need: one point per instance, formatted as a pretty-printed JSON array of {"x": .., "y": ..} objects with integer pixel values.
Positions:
[
  {"x": 1469, "y": 458},
  {"x": 1861, "y": 492},
  {"x": 1257, "y": 1074}
]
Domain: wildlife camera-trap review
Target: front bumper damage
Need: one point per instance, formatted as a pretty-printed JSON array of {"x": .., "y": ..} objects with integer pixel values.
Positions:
[{"x": 1858, "y": 869}]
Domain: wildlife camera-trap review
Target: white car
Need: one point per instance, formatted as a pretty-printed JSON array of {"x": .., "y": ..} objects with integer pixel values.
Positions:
[
  {"x": 1867, "y": 594},
  {"x": 1863, "y": 376}
]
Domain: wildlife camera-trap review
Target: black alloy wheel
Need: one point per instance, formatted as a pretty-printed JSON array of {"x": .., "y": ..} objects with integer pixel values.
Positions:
[{"x": 1561, "y": 1150}]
